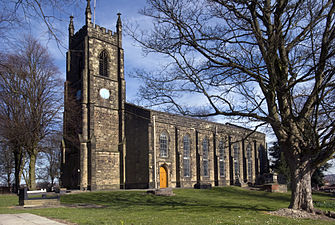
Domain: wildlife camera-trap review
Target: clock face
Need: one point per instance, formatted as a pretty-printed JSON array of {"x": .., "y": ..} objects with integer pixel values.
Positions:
[{"x": 104, "y": 93}]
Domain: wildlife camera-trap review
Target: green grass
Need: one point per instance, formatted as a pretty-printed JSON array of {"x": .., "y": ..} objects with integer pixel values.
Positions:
[{"x": 229, "y": 205}]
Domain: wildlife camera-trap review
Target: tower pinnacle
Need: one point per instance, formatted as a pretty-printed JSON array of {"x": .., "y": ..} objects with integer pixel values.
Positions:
[
  {"x": 119, "y": 29},
  {"x": 88, "y": 13},
  {"x": 119, "y": 24},
  {"x": 71, "y": 27}
]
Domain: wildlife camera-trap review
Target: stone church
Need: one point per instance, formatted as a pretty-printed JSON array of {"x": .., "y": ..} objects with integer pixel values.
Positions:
[{"x": 111, "y": 144}]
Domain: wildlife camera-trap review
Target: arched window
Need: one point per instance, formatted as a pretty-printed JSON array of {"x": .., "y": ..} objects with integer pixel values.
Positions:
[
  {"x": 249, "y": 158},
  {"x": 186, "y": 156},
  {"x": 163, "y": 145},
  {"x": 205, "y": 157},
  {"x": 103, "y": 63},
  {"x": 237, "y": 160},
  {"x": 221, "y": 159}
]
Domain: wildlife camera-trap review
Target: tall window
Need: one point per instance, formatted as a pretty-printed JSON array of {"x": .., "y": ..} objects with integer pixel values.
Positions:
[
  {"x": 103, "y": 59},
  {"x": 237, "y": 160},
  {"x": 163, "y": 145},
  {"x": 205, "y": 157},
  {"x": 186, "y": 156},
  {"x": 249, "y": 158},
  {"x": 221, "y": 159}
]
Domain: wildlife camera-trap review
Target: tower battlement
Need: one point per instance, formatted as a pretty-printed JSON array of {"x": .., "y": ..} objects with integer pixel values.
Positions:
[
  {"x": 95, "y": 31},
  {"x": 103, "y": 30},
  {"x": 103, "y": 33}
]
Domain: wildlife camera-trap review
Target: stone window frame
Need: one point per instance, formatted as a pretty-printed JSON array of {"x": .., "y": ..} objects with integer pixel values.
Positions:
[
  {"x": 249, "y": 159},
  {"x": 236, "y": 151},
  {"x": 205, "y": 156},
  {"x": 164, "y": 145},
  {"x": 221, "y": 148},
  {"x": 103, "y": 63},
  {"x": 187, "y": 155}
]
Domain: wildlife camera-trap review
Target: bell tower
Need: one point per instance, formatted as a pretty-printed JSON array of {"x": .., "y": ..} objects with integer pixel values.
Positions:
[{"x": 94, "y": 137}]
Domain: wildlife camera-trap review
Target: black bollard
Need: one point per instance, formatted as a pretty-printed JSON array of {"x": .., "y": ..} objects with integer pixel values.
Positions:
[{"x": 23, "y": 195}]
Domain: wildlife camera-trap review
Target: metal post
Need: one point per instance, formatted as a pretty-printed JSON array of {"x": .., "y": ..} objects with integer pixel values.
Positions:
[
  {"x": 95, "y": 3},
  {"x": 155, "y": 166}
]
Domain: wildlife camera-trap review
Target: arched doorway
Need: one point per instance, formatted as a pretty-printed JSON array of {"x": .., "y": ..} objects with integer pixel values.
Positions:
[{"x": 163, "y": 177}]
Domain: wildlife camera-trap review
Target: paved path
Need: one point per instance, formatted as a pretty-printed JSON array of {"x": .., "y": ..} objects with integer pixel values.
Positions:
[{"x": 26, "y": 219}]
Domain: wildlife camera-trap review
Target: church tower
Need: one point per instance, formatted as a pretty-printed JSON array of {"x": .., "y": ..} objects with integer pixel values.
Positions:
[{"x": 94, "y": 138}]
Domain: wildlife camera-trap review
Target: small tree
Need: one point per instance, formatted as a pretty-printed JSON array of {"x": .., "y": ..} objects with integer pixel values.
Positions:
[
  {"x": 279, "y": 165},
  {"x": 318, "y": 176}
]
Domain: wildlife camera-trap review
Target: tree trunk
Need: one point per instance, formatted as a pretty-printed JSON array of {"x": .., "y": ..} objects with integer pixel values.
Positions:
[
  {"x": 18, "y": 166},
  {"x": 301, "y": 197},
  {"x": 32, "y": 176},
  {"x": 8, "y": 179}
]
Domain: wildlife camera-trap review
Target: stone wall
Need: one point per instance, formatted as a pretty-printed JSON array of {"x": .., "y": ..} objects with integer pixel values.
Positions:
[
  {"x": 176, "y": 127},
  {"x": 104, "y": 114},
  {"x": 69, "y": 169},
  {"x": 107, "y": 174},
  {"x": 137, "y": 147}
]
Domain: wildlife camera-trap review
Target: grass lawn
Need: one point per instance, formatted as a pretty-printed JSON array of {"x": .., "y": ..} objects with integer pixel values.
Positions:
[{"x": 228, "y": 205}]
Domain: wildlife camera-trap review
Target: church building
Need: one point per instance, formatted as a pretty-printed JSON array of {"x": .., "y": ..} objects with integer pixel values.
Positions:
[{"x": 111, "y": 144}]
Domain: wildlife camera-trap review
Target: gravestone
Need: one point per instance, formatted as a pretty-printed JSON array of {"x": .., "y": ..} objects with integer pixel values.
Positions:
[{"x": 272, "y": 185}]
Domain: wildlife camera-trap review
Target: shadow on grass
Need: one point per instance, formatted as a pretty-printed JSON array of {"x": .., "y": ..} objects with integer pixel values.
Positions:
[
  {"x": 231, "y": 199},
  {"x": 260, "y": 195}
]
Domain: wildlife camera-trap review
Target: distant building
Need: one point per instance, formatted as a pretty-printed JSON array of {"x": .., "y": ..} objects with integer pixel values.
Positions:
[
  {"x": 329, "y": 179},
  {"x": 110, "y": 144}
]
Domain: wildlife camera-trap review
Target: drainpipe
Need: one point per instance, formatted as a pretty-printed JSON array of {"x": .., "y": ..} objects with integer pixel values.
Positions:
[
  {"x": 124, "y": 161},
  {"x": 155, "y": 169}
]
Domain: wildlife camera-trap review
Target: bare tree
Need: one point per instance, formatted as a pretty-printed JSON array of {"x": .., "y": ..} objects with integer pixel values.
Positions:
[
  {"x": 29, "y": 102},
  {"x": 269, "y": 61},
  {"x": 6, "y": 165},
  {"x": 51, "y": 158},
  {"x": 12, "y": 111},
  {"x": 7, "y": 21},
  {"x": 14, "y": 14}
]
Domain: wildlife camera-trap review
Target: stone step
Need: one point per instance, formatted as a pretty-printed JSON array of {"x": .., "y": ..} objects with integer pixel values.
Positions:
[{"x": 41, "y": 202}]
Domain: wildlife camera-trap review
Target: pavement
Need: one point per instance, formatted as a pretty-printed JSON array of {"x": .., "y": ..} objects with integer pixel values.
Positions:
[{"x": 26, "y": 219}]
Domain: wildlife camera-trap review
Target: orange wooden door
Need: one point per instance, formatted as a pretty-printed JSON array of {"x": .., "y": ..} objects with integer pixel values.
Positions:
[{"x": 162, "y": 177}]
